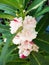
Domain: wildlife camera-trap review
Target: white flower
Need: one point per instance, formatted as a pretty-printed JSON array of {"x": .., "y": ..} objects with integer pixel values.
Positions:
[
  {"x": 24, "y": 38},
  {"x": 15, "y": 24},
  {"x": 35, "y": 48},
  {"x": 26, "y": 47},
  {"x": 25, "y": 53},
  {"x": 28, "y": 34},
  {"x": 16, "y": 40},
  {"x": 29, "y": 22}
]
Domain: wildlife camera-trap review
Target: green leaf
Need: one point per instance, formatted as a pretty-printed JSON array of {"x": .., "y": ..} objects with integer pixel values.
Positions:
[
  {"x": 6, "y": 46},
  {"x": 47, "y": 57},
  {"x": 35, "y": 5},
  {"x": 4, "y": 51},
  {"x": 13, "y": 3},
  {"x": 43, "y": 11},
  {"x": 7, "y": 16},
  {"x": 26, "y": 2},
  {"x": 39, "y": 8},
  {"x": 6, "y": 7},
  {"x": 15, "y": 58},
  {"x": 44, "y": 36},
  {"x": 42, "y": 24},
  {"x": 43, "y": 42},
  {"x": 6, "y": 32},
  {"x": 16, "y": 63},
  {"x": 1, "y": 42},
  {"x": 11, "y": 49},
  {"x": 22, "y": 2},
  {"x": 4, "y": 28},
  {"x": 38, "y": 59}
]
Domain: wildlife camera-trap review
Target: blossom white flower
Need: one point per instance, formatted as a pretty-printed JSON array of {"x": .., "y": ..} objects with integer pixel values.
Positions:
[
  {"x": 29, "y": 22},
  {"x": 16, "y": 40},
  {"x": 28, "y": 35},
  {"x": 26, "y": 47},
  {"x": 28, "y": 32},
  {"x": 24, "y": 38},
  {"x": 35, "y": 48},
  {"x": 15, "y": 24},
  {"x": 25, "y": 53}
]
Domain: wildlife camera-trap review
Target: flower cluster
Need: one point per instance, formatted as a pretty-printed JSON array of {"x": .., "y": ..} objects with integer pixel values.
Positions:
[{"x": 25, "y": 37}]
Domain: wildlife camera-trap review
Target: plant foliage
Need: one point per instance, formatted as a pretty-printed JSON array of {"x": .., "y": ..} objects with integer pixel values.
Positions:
[{"x": 9, "y": 52}]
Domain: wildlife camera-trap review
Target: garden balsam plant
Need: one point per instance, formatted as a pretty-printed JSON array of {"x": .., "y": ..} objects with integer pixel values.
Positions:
[{"x": 23, "y": 36}]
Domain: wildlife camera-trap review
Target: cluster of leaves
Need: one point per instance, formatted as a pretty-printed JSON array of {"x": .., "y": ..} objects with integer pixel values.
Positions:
[{"x": 8, "y": 51}]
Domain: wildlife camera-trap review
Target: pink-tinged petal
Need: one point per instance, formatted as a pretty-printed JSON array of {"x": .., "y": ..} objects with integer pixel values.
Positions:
[
  {"x": 31, "y": 42},
  {"x": 26, "y": 45},
  {"x": 15, "y": 20},
  {"x": 26, "y": 52},
  {"x": 22, "y": 56},
  {"x": 35, "y": 48},
  {"x": 26, "y": 42},
  {"x": 16, "y": 40},
  {"x": 15, "y": 24}
]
